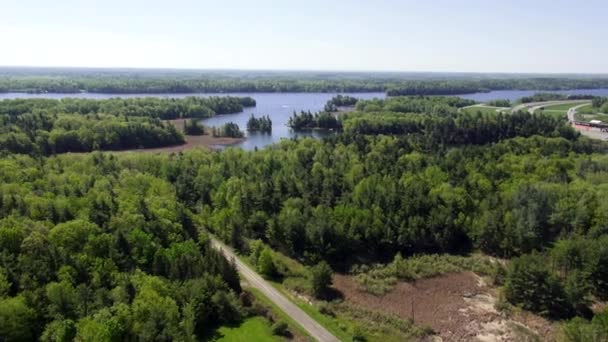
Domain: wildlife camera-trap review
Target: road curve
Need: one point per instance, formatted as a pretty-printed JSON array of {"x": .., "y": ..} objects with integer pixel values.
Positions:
[
  {"x": 533, "y": 106},
  {"x": 311, "y": 326}
]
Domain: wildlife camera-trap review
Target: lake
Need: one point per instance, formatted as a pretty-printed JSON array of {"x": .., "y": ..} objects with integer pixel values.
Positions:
[{"x": 280, "y": 106}]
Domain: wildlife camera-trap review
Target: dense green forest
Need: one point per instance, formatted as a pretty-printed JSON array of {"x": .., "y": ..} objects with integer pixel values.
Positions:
[
  {"x": 262, "y": 124},
  {"x": 306, "y": 120},
  {"x": 159, "y": 81},
  {"x": 338, "y": 101},
  {"x": 46, "y": 127},
  {"x": 98, "y": 248},
  {"x": 115, "y": 246},
  {"x": 540, "y": 97}
]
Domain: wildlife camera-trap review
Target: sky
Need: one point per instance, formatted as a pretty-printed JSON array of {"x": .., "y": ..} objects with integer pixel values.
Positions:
[{"x": 518, "y": 36}]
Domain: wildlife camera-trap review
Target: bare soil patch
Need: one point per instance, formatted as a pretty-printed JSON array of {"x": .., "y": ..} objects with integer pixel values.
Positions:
[{"x": 458, "y": 306}]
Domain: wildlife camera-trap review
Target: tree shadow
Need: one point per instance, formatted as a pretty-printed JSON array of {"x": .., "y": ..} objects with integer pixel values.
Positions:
[{"x": 332, "y": 294}]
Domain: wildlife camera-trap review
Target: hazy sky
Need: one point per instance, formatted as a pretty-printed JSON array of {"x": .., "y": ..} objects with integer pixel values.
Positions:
[{"x": 401, "y": 35}]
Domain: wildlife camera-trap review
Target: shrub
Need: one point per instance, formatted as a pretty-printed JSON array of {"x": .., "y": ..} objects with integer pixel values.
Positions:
[
  {"x": 531, "y": 285},
  {"x": 266, "y": 264},
  {"x": 321, "y": 279},
  {"x": 280, "y": 328}
]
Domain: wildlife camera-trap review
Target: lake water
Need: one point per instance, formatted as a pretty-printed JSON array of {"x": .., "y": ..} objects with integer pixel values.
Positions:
[{"x": 280, "y": 106}]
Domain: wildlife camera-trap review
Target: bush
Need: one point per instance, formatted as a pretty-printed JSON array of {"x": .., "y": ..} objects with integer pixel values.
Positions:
[
  {"x": 580, "y": 330},
  {"x": 266, "y": 264},
  {"x": 531, "y": 285},
  {"x": 321, "y": 279},
  {"x": 280, "y": 328},
  {"x": 193, "y": 127}
]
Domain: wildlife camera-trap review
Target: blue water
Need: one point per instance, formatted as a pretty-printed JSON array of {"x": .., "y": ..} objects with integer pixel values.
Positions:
[{"x": 280, "y": 106}]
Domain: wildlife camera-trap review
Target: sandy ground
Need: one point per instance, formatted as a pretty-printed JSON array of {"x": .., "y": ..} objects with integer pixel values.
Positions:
[{"x": 458, "y": 306}]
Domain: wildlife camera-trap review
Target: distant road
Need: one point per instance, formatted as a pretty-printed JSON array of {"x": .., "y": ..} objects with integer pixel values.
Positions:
[
  {"x": 313, "y": 328},
  {"x": 533, "y": 106}
]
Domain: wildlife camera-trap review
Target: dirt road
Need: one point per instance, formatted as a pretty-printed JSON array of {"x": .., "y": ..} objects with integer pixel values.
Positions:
[{"x": 313, "y": 328}]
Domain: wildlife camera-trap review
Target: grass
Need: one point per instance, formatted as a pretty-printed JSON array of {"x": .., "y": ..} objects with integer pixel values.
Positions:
[
  {"x": 347, "y": 321},
  {"x": 254, "y": 329},
  {"x": 333, "y": 324},
  {"x": 485, "y": 109},
  {"x": 562, "y": 107},
  {"x": 588, "y": 109},
  {"x": 293, "y": 326}
]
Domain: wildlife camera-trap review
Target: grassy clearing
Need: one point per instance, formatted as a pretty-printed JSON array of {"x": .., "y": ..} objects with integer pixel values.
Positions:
[
  {"x": 254, "y": 329},
  {"x": 588, "y": 109},
  {"x": 562, "y": 107},
  {"x": 380, "y": 279},
  {"x": 485, "y": 109}
]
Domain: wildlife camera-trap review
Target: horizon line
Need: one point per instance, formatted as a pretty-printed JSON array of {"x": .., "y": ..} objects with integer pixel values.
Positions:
[{"x": 346, "y": 71}]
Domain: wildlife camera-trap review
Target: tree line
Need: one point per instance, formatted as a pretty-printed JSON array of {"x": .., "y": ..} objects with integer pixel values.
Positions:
[
  {"x": 306, "y": 120},
  {"x": 161, "y": 108},
  {"x": 541, "y": 97},
  {"x": 393, "y": 84}
]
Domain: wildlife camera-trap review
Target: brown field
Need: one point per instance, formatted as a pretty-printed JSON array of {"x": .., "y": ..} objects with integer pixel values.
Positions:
[{"x": 458, "y": 306}]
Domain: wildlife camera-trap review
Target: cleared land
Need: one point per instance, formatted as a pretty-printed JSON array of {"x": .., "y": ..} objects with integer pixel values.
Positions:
[{"x": 457, "y": 306}]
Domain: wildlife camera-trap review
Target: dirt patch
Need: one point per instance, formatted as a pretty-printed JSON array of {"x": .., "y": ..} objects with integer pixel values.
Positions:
[{"x": 458, "y": 306}]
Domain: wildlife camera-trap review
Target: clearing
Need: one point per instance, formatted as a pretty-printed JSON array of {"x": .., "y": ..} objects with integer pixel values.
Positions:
[
  {"x": 254, "y": 329},
  {"x": 484, "y": 109},
  {"x": 457, "y": 306}
]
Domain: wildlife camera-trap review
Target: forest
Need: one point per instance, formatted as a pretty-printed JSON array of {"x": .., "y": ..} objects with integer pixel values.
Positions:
[
  {"x": 170, "y": 81},
  {"x": 117, "y": 245},
  {"x": 44, "y": 127},
  {"x": 306, "y": 120}
]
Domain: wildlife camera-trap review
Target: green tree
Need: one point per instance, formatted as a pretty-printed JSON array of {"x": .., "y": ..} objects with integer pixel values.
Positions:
[
  {"x": 531, "y": 285},
  {"x": 17, "y": 320},
  {"x": 321, "y": 279},
  {"x": 266, "y": 264}
]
